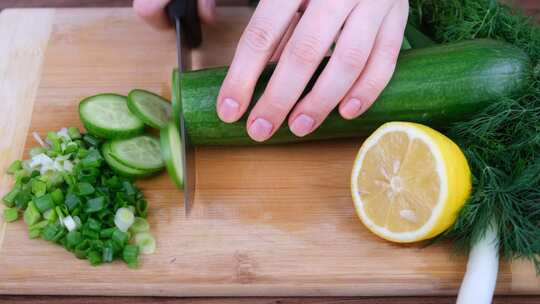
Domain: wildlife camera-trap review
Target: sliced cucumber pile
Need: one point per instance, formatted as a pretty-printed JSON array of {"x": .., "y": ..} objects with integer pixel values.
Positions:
[
  {"x": 108, "y": 116},
  {"x": 171, "y": 149},
  {"x": 152, "y": 109},
  {"x": 121, "y": 120}
]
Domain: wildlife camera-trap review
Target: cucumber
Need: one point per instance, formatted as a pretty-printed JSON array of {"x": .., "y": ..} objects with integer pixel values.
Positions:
[
  {"x": 121, "y": 168},
  {"x": 435, "y": 86},
  {"x": 175, "y": 98},
  {"x": 152, "y": 109},
  {"x": 141, "y": 152},
  {"x": 171, "y": 149},
  {"x": 108, "y": 116}
]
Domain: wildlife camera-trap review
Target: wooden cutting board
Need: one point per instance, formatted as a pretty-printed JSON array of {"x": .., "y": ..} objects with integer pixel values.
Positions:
[{"x": 267, "y": 220}]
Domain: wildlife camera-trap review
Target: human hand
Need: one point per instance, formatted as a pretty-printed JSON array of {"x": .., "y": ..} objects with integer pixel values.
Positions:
[
  {"x": 153, "y": 11},
  {"x": 369, "y": 36}
]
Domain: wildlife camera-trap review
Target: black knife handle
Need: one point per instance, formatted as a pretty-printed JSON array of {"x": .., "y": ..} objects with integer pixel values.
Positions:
[{"x": 186, "y": 11}]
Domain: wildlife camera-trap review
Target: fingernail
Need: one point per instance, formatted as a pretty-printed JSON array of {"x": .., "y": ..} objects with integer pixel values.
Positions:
[
  {"x": 228, "y": 111},
  {"x": 260, "y": 129},
  {"x": 351, "y": 108},
  {"x": 302, "y": 125}
]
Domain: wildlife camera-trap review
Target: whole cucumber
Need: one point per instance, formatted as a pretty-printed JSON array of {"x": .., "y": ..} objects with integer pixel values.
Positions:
[{"x": 434, "y": 86}]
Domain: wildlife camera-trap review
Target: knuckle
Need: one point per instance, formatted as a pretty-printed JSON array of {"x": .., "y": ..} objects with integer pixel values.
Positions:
[
  {"x": 354, "y": 57},
  {"x": 389, "y": 51},
  {"x": 259, "y": 35},
  {"x": 307, "y": 49},
  {"x": 372, "y": 88}
]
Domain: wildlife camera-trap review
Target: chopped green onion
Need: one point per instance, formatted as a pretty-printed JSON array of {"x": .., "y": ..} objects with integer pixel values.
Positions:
[
  {"x": 39, "y": 225},
  {"x": 39, "y": 187},
  {"x": 72, "y": 201},
  {"x": 108, "y": 252},
  {"x": 74, "y": 133},
  {"x": 130, "y": 255},
  {"x": 31, "y": 214},
  {"x": 69, "y": 179},
  {"x": 23, "y": 198},
  {"x": 119, "y": 237},
  {"x": 34, "y": 233},
  {"x": 139, "y": 225},
  {"x": 95, "y": 204},
  {"x": 146, "y": 242},
  {"x": 44, "y": 203},
  {"x": 50, "y": 215},
  {"x": 56, "y": 144},
  {"x": 54, "y": 179},
  {"x": 128, "y": 188},
  {"x": 73, "y": 238},
  {"x": 71, "y": 147},
  {"x": 69, "y": 223},
  {"x": 131, "y": 208},
  {"x": 10, "y": 215},
  {"x": 92, "y": 224},
  {"x": 51, "y": 153},
  {"x": 123, "y": 219},
  {"x": 106, "y": 233},
  {"x": 142, "y": 207},
  {"x": 36, "y": 151},
  {"x": 82, "y": 248},
  {"x": 85, "y": 189},
  {"x": 94, "y": 258},
  {"x": 59, "y": 235},
  {"x": 92, "y": 141},
  {"x": 9, "y": 198},
  {"x": 90, "y": 234},
  {"x": 49, "y": 232},
  {"x": 57, "y": 196},
  {"x": 14, "y": 167},
  {"x": 92, "y": 160},
  {"x": 60, "y": 212}
]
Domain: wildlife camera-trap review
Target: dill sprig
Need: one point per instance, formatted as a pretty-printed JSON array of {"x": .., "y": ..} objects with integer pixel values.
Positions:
[{"x": 502, "y": 143}]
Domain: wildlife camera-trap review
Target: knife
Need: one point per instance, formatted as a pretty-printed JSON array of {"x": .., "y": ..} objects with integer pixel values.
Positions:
[{"x": 183, "y": 14}]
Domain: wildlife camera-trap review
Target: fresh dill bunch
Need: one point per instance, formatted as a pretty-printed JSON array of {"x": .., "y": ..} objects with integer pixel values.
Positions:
[{"x": 502, "y": 142}]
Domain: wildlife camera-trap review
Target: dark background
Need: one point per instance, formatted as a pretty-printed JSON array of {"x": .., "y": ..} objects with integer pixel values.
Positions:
[{"x": 531, "y": 7}]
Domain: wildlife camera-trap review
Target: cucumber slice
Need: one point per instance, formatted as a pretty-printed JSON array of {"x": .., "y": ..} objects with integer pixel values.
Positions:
[
  {"x": 140, "y": 152},
  {"x": 152, "y": 109},
  {"x": 171, "y": 149},
  {"x": 120, "y": 168},
  {"x": 107, "y": 115},
  {"x": 175, "y": 98}
]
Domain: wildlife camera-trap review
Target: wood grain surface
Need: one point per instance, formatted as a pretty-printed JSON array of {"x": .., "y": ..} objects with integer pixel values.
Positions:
[{"x": 252, "y": 232}]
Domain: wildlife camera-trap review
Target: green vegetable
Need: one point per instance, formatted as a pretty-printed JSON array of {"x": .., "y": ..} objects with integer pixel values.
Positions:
[
  {"x": 75, "y": 207},
  {"x": 502, "y": 142},
  {"x": 435, "y": 86},
  {"x": 95, "y": 204},
  {"x": 121, "y": 168},
  {"x": 123, "y": 219},
  {"x": 74, "y": 133},
  {"x": 14, "y": 167},
  {"x": 141, "y": 152},
  {"x": 31, "y": 214},
  {"x": 9, "y": 198},
  {"x": 108, "y": 116},
  {"x": 171, "y": 150},
  {"x": 146, "y": 242},
  {"x": 44, "y": 203},
  {"x": 152, "y": 109},
  {"x": 10, "y": 214},
  {"x": 50, "y": 215},
  {"x": 139, "y": 225},
  {"x": 130, "y": 255}
]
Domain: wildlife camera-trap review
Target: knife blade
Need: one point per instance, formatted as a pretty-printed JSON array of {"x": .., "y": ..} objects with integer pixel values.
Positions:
[{"x": 183, "y": 14}]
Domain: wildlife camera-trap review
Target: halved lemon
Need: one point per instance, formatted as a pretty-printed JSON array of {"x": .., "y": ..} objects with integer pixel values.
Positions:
[{"x": 409, "y": 182}]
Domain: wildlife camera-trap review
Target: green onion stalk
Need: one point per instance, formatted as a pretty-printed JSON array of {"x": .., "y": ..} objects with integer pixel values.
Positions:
[{"x": 502, "y": 145}]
